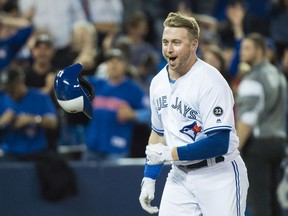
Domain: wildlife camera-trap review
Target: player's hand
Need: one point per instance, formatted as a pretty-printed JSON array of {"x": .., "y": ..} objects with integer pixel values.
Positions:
[
  {"x": 147, "y": 195},
  {"x": 158, "y": 154}
]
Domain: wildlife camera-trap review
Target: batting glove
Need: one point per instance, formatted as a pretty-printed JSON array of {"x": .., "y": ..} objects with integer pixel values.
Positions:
[
  {"x": 158, "y": 154},
  {"x": 147, "y": 195}
]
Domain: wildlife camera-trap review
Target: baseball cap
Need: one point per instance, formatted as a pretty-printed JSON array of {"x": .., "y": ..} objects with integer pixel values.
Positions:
[
  {"x": 116, "y": 53},
  {"x": 10, "y": 75},
  {"x": 43, "y": 39}
]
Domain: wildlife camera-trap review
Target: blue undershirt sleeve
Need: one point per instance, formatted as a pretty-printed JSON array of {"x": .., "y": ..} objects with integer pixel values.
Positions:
[{"x": 215, "y": 144}]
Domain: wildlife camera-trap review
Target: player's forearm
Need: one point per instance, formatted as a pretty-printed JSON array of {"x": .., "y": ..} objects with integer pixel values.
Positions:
[
  {"x": 244, "y": 131},
  {"x": 15, "y": 22},
  {"x": 6, "y": 118},
  {"x": 155, "y": 138},
  {"x": 174, "y": 154}
]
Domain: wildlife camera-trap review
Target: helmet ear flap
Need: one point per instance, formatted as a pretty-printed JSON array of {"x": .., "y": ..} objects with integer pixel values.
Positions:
[{"x": 87, "y": 87}]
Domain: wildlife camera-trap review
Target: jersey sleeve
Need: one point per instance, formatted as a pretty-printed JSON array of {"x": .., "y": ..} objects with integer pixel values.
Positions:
[
  {"x": 216, "y": 105},
  {"x": 250, "y": 101},
  {"x": 156, "y": 123}
]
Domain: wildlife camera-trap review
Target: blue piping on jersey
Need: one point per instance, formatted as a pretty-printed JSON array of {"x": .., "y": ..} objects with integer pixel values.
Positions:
[
  {"x": 171, "y": 80},
  {"x": 208, "y": 130},
  {"x": 237, "y": 182},
  {"x": 212, "y": 146},
  {"x": 159, "y": 132}
]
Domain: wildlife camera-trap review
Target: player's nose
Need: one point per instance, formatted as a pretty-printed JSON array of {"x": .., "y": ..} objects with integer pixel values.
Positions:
[{"x": 169, "y": 47}]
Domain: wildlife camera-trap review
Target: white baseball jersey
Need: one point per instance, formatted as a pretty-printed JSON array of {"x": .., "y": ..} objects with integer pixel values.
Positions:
[{"x": 201, "y": 101}]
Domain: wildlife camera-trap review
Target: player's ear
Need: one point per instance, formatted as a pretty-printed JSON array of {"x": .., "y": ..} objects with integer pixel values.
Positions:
[
  {"x": 194, "y": 45},
  {"x": 74, "y": 94},
  {"x": 195, "y": 42}
]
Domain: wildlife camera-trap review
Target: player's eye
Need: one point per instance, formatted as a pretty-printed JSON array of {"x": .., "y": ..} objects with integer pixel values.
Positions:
[
  {"x": 165, "y": 43},
  {"x": 177, "y": 43}
]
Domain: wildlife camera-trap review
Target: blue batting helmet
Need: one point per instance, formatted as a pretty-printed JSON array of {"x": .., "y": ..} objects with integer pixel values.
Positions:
[{"x": 72, "y": 91}]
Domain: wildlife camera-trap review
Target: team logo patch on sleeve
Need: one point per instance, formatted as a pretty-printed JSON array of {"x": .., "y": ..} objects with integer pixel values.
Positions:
[
  {"x": 218, "y": 111},
  {"x": 191, "y": 130}
]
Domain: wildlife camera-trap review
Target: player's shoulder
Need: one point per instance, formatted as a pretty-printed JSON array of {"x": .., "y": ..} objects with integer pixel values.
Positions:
[
  {"x": 209, "y": 73},
  {"x": 162, "y": 74},
  {"x": 207, "y": 67}
]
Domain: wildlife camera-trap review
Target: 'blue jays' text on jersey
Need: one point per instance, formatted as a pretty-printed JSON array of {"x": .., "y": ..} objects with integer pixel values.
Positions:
[{"x": 199, "y": 102}]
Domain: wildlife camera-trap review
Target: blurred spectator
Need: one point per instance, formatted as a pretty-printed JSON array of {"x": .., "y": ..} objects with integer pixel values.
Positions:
[
  {"x": 284, "y": 63},
  {"x": 141, "y": 53},
  {"x": 261, "y": 125},
  {"x": 284, "y": 67},
  {"x": 196, "y": 6},
  {"x": 232, "y": 31},
  {"x": 118, "y": 103},
  {"x": 24, "y": 135},
  {"x": 6, "y": 117},
  {"x": 34, "y": 113},
  {"x": 9, "y": 7},
  {"x": 279, "y": 21},
  {"x": 208, "y": 35},
  {"x": 14, "y": 33},
  {"x": 258, "y": 16},
  {"x": 155, "y": 11},
  {"x": 282, "y": 189},
  {"x": 214, "y": 56},
  {"x": 40, "y": 74},
  {"x": 234, "y": 10},
  {"x": 272, "y": 52},
  {"x": 84, "y": 46},
  {"x": 107, "y": 16},
  {"x": 58, "y": 19}
]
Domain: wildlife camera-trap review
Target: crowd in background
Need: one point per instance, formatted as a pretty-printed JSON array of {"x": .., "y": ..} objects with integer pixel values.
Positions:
[{"x": 114, "y": 40}]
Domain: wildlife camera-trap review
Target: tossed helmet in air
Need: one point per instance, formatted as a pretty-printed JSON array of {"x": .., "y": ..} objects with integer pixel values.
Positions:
[{"x": 74, "y": 94}]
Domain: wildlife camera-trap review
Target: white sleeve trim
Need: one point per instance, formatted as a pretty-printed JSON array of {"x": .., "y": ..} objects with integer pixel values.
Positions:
[{"x": 252, "y": 88}]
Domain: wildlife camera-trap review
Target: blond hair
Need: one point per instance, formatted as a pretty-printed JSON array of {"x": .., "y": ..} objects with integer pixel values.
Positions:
[{"x": 180, "y": 20}]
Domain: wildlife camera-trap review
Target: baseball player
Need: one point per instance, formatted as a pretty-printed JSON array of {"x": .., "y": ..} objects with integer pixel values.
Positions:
[{"x": 193, "y": 129}]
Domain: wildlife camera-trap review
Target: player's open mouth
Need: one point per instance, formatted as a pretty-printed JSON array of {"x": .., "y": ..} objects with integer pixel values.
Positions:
[{"x": 172, "y": 59}]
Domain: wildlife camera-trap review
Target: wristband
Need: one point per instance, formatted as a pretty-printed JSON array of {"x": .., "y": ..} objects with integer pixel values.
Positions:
[{"x": 152, "y": 171}]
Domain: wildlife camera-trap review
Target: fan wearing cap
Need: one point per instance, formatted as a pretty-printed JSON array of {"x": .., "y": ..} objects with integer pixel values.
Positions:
[
  {"x": 40, "y": 73},
  {"x": 34, "y": 112},
  {"x": 118, "y": 104}
]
